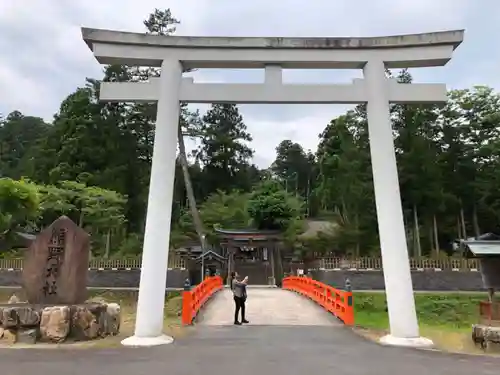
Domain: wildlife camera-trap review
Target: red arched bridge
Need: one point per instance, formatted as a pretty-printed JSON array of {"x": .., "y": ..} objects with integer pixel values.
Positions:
[{"x": 301, "y": 301}]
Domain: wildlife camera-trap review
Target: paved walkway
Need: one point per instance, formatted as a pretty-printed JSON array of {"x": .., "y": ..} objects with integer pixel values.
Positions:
[
  {"x": 266, "y": 306},
  {"x": 214, "y": 348},
  {"x": 249, "y": 350}
]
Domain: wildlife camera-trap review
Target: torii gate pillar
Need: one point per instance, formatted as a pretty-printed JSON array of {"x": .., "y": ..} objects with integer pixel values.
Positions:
[{"x": 372, "y": 55}]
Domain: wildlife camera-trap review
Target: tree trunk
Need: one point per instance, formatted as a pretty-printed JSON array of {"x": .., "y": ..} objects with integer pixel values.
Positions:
[
  {"x": 108, "y": 244},
  {"x": 459, "y": 228},
  {"x": 431, "y": 241},
  {"x": 462, "y": 222},
  {"x": 411, "y": 247},
  {"x": 356, "y": 223},
  {"x": 418, "y": 249},
  {"x": 189, "y": 188},
  {"x": 475, "y": 222},
  {"x": 436, "y": 235},
  {"x": 80, "y": 219}
]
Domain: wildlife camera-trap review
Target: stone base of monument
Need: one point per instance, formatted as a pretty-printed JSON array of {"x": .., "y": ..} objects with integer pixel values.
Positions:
[
  {"x": 28, "y": 323},
  {"x": 485, "y": 336},
  {"x": 413, "y": 342}
]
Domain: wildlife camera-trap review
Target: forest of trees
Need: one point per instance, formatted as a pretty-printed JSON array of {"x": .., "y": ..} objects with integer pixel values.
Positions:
[{"x": 92, "y": 163}]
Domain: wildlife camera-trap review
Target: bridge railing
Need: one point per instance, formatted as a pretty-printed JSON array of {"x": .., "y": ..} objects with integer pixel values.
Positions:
[
  {"x": 338, "y": 302},
  {"x": 194, "y": 299}
]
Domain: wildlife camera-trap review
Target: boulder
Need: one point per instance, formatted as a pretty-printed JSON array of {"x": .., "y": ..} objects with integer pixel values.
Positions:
[
  {"x": 55, "y": 323},
  {"x": 27, "y": 336},
  {"x": 9, "y": 336},
  {"x": 22, "y": 315},
  {"x": 84, "y": 324},
  {"x": 8, "y": 317},
  {"x": 484, "y": 335},
  {"x": 27, "y": 316},
  {"x": 113, "y": 319}
]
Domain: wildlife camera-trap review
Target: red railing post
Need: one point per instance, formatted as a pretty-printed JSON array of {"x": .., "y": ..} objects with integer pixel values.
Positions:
[
  {"x": 349, "y": 309},
  {"x": 187, "y": 307}
]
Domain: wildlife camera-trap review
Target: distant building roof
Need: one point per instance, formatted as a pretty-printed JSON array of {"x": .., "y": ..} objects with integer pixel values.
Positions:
[
  {"x": 210, "y": 255},
  {"x": 189, "y": 249},
  {"x": 485, "y": 245},
  {"x": 248, "y": 234},
  {"x": 483, "y": 248},
  {"x": 314, "y": 227},
  {"x": 246, "y": 231}
]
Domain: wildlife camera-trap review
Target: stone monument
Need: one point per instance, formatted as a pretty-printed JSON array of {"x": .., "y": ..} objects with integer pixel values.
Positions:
[
  {"x": 55, "y": 282},
  {"x": 56, "y": 265}
]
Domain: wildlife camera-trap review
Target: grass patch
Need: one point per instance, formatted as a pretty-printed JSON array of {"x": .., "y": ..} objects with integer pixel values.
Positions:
[
  {"x": 451, "y": 311},
  {"x": 128, "y": 302},
  {"x": 444, "y": 318}
]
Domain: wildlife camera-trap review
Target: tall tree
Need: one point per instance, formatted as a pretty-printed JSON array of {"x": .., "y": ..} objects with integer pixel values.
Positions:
[
  {"x": 345, "y": 184},
  {"x": 18, "y": 136},
  {"x": 417, "y": 157},
  {"x": 224, "y": 151},
  {"x": 80, "y": 146},
  {"x": 294, "y": 167}
]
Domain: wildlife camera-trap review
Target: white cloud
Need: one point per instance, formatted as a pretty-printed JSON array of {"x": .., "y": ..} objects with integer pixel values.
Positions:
[
  {"x": 305, "y": 130},
  {"x": 44, "y": 59}
]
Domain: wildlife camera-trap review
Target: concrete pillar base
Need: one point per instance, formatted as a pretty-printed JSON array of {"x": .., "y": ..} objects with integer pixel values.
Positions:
[
  {"x": 135, "y": 341},
  {"x": 414, "y": 342}
]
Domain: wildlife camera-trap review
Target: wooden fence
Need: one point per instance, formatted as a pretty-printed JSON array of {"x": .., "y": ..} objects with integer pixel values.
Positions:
[
  {"x": 415, "y": 264},
  {"x": 326, "y": 263},
  {"x": 96, "y": 263}
]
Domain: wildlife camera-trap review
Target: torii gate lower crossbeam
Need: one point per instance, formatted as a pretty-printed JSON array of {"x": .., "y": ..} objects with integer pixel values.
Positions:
[{"x": 373, "y": 55}]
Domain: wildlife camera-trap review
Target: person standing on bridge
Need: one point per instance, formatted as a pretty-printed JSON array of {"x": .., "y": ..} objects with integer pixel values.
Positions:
[{"x": 239, "y": 289}]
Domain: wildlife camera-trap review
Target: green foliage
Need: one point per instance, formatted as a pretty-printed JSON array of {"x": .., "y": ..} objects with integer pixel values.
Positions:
[
  {"x": 27, "y": 206},
  {"x": 308, "y": 248},
  {"x": 271, "y": 208},
  {"x": 131, "y": 245},
  {"x": 19, "y": 203},
  {"x": 268, "y": 205},
  {"x": 220, "y": 210}
]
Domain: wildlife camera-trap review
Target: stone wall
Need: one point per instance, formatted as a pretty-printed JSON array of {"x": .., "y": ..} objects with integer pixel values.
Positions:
[
  {"x": 428, "y": 280},
  {"x": 108, "y": 278}
]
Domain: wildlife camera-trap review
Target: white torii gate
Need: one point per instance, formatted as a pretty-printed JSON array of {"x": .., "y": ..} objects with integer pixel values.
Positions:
[{"x": 373, "y": 55}]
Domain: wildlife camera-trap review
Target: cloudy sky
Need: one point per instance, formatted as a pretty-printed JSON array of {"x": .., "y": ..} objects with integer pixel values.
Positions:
[{"x": 43, "y": 58}]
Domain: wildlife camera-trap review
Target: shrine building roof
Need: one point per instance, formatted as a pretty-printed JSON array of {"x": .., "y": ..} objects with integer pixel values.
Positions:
[{"x": 249, "y": 233}]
